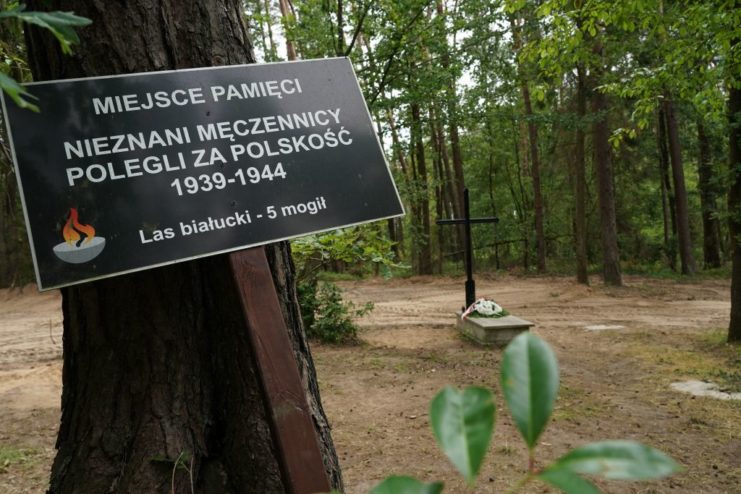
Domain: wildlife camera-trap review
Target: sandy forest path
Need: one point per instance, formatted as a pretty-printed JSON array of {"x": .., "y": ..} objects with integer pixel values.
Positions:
[{"x": 614, "y": 382}]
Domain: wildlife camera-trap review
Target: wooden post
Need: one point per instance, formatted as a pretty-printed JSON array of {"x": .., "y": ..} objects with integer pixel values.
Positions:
[
  {"x": 470, "y": 283},
  {"x": 293, "y": 430}
]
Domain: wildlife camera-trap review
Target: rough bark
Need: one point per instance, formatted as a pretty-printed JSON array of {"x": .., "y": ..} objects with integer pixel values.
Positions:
[
  {"x": 706, "y": 185},
  {"x": 605, "y": 187},
  {"x": 680, "y": 190},
  {"x": 734, "y": 209},
  {"x": 580, "y": 185},
  {"x": 157, "y": 364}
]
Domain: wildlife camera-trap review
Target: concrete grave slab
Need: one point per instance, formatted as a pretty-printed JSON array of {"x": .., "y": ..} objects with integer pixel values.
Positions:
[{"x": 492, "y": 331}]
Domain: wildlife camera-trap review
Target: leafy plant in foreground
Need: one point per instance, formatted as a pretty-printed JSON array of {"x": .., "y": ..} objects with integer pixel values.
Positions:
[
  {"x": 61, "y": 24},
  {"x": 463, "y": 424}
]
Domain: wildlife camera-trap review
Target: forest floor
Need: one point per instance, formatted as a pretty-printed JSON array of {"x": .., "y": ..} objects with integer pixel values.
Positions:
[{"x": 615, "y": 383}]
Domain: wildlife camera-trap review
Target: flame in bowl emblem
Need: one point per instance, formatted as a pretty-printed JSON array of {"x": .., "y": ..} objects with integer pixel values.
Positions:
[{"x": 80, "y": 243}]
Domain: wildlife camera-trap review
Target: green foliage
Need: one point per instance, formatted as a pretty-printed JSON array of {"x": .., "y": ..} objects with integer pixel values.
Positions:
[
  {"x": 327, "y": 317},
  {"x": 61, "y": 24},
  {"x": 361, "y": 246},
  {"x": 307, "y": 292},
  {"x": 463, "y": 423},
  {"x": 406, "y": 485},
  {"x": 17, "y": 92},
  {"x": 530, "y": 384},
  {"x": 616, "y": 460},
  {"x": 568, "y": 482}
]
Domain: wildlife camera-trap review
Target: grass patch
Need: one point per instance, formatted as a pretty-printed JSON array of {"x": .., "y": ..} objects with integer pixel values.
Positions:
[
  {"x": 704, "y": 356},
  {"x": 575, "y": 404},
  {"x": 11, "y": 456}
]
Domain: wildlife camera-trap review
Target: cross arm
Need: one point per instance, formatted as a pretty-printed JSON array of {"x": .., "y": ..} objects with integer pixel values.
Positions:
[{"x": 462, "y": 221}]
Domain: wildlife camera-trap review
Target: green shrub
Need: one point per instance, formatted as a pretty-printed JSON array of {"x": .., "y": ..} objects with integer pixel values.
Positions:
[{"x": 326, "y": 316}]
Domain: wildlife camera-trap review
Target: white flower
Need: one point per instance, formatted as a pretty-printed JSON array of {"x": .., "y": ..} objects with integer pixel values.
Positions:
[
  {"x": 484, "y": 308},
  {"x": 487, "y": 307}
]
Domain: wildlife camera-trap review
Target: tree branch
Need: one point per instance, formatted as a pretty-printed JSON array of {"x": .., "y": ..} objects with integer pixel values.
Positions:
[{"x": 358, "y": 28}]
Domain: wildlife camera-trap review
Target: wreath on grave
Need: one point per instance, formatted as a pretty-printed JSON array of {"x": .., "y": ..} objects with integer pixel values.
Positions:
[{"x": 484, "y": 308}]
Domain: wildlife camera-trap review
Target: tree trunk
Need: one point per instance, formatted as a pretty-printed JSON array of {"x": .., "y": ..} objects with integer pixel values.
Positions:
[
  {"x": 580, "y": 186},
  {"x": 272, "y": 53},
  {"x": 424, "y": 249},
  {"x": 706, "y": 184},
  {"x": 439, "y": 196},
  {"x": 734, "y": 209},
  {"x": 667, "y": 195},
  {"x": 520, "y": 153},
  {"x": 455, "y": 141},
  {"x": 532, "y": 131},
  {"x": 15, "y": 261},
  {"x": 340, "y": 30},
  {"x": 491, "y": 177},
  {"x": 680, "y": 190},
  {"x": 285, "y": 12},
  {"x": 158, "y": 367},
  {"x": 603, "y": 168}
]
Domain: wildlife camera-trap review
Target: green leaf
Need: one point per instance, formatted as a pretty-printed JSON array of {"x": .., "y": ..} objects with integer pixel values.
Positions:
[
  {"x": 530, "y": 383},
  {"x": 618, "y": 460},
  {"x": 406, "y": 485},
  {"x": 61, "y": 24},
  {"x": 568, "y": 481},
  {"x": 17, "y": 92},
  {"x": 463, "y": 422}
]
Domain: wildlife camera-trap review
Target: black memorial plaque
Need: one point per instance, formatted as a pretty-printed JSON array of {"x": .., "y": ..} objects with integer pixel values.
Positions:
[{"x": 125, "y": 173}]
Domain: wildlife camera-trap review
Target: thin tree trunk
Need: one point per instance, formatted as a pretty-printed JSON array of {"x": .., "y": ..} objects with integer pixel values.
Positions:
[
  {"x": 273, "y": 53},
  {"x": 535, "y": 171},
  {"x": 706, "y": 185},
  {"x": 580, "y": 195},
  {"x": 491, "y": 175},
  {"x": 422, "y": 199},
  {"x": 439, "y": 193},
  {"x": 734, "y": 208},
  {"x": 286, "y": 14},
  {"x": 340, "y": 30},
  {"x": 680, "y": 190},
  {"x": 521, "y": 161},
  {"x": 158, "y": 364},
  {"x": 532, "y": 131},
  {"x": 603, "y": 171},
  {"x": 455, "y": 142},
  {"x": 667, "y": 195}
]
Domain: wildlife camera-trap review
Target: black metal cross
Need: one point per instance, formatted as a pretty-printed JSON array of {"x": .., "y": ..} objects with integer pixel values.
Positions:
[{"x": 467, "y": 221}]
